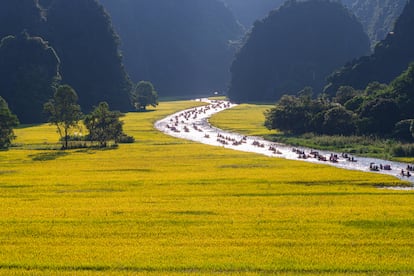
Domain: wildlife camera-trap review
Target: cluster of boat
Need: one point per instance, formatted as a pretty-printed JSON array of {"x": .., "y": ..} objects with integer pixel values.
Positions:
[
  {"x": 226, "y": 140},
  {"x": 333, "y": 157},
  {"x": 195, "y": 122}
]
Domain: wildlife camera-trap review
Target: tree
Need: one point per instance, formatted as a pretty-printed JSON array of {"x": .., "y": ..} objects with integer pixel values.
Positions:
[
  {"x": 339, "y": 120},
  {"x": 7, "y": 122},
  {"x": 144, "y": 95},
  {"x": 63, "y": 111},
  {"x": 380, "y": 115},
  {"x": 103, "y": 124}
]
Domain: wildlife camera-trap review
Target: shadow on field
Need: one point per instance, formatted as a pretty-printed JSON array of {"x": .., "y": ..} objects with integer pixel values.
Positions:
[{"x": 46, "y": 156}]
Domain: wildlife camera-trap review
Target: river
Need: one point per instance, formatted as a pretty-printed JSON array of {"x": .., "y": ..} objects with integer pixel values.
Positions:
[{"x": 193, "y": 124}]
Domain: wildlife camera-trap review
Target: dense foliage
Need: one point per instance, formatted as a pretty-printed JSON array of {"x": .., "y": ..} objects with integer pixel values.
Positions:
[
  {"x": 296, "y": 46},
  {"x": 7, "y": 122},
  {"x": 379, "y": 110},
  {"x": 182, "y": 47},
  {"x": 104, "y": 124},
  {"x": 29, "y": 68},
  {"x": 64, "y": 111},
  {"x": 391, "y": 57},
  {"x": 144, "y": 95}
]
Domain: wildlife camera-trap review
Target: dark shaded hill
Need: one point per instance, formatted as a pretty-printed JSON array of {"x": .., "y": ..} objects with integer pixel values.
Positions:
[
  {"x": 296, "y": 46},
  {"x": 391, "y": 57},
  {"x": 82, "y": 35},
  {"x": 19, "y": 15},
  {"x": 28, "y": 69},
  {"x": 183, "y": 47}
]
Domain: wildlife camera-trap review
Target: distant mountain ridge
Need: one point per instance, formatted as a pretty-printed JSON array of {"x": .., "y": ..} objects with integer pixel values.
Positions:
[{"x": 377, "y": 16}]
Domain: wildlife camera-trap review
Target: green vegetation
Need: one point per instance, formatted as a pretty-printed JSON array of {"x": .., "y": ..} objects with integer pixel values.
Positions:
[
  {"x": 383, "y": 111},
  {"x": 168, "y": 206},
  {"x": 144, "y": 95},
  {"x": 63, "y": 111},
  {"x": 104, "y": 125}
]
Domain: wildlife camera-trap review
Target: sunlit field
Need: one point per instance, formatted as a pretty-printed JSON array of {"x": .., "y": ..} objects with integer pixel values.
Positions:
[
  {"x": 167, "y": 206},
  {"x": 246, "y": 118}
]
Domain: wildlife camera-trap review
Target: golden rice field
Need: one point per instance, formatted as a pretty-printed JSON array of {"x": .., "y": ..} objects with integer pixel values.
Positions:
[{"x": 172, "y": 207}]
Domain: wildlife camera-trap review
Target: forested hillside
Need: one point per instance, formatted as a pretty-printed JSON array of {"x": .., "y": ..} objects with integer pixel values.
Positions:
[
  {"x": 83, "y": 37},
  {"x": 72, "y": 40},
  {"x": 391, "y": 57},
  {"x": 296, "y": 46}
]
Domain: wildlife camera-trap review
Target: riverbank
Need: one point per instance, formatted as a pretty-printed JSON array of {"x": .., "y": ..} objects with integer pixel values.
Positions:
[{"x": 193, "y": 125}]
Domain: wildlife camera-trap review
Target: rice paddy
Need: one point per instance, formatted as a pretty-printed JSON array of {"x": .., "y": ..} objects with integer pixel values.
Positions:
[{"x": 168, "y": 206}]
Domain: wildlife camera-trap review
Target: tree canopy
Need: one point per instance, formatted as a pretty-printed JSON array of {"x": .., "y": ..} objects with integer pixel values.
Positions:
[
  {"x": 64, "y": 112},
  {"x": 144, "y": 95},
  {"x": 104, "y": 125},
  {"x": 297, "y": 45},
  {"x": 379, "y": 110}
]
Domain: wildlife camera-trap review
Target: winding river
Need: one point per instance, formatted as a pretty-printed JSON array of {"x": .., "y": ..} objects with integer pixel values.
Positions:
[{"x": 192, "y": 124}]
